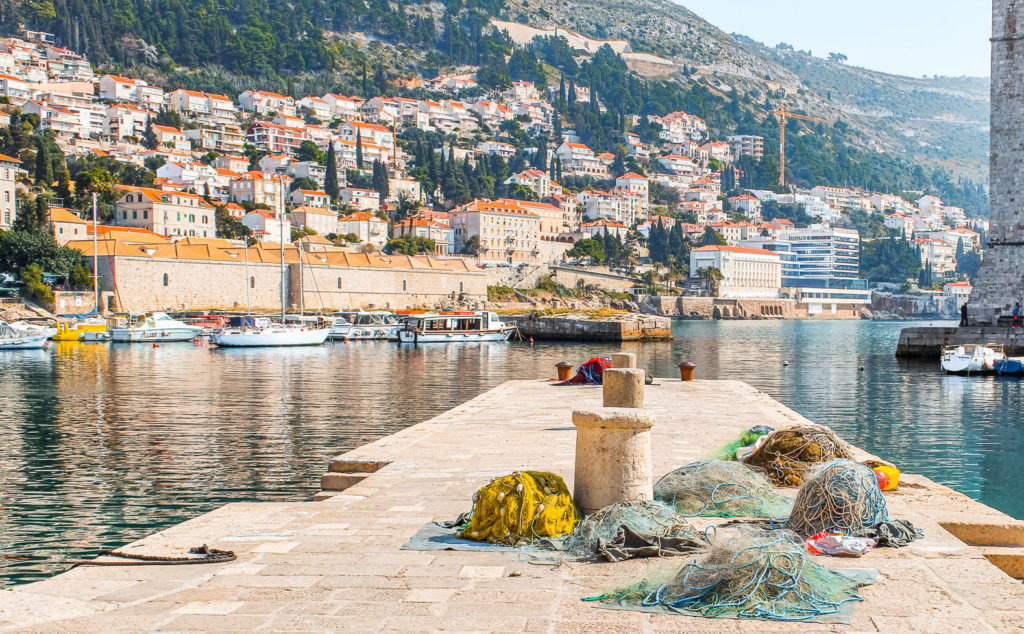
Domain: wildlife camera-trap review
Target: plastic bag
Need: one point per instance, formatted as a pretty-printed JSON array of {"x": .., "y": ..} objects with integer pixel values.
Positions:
[{"x": 839, "y": 545}]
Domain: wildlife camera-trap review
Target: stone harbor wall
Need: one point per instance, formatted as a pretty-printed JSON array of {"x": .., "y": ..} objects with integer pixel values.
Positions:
[
  {"x": 719, "y": 308},
  {"x": 927, "y": 342}
]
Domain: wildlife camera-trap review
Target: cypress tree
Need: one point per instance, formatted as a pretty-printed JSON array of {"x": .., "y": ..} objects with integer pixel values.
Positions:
[
  {"x": 44, "y": 166},
  {"x": 359, "y": 150},
  {"x": 331, "y": 179},
  {"x": 540, "y": 159}
]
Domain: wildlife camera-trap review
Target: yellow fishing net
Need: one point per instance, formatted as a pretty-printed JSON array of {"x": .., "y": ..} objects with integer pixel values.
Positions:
[{"x": 521, "y": 507}]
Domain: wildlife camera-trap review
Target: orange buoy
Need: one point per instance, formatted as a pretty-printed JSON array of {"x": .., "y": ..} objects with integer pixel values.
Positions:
[{"x": 156, "y": 345}]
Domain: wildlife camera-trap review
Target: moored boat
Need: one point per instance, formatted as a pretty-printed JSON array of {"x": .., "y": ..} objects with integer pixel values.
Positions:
[
  {"x": 364, "y": 325},
  {"x": 76, "y": 332},
  {"x": 260, "y": 332},
  {"x": 972, "y": 358},
  {"x": 36, "y": 329},
  {"x": 454, "y": 327},
  {"x": 16, "y": 339},
  {"x": 155, "y": 327}
]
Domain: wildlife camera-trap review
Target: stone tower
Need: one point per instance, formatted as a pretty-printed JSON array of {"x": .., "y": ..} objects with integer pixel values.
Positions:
[{"x": 1001, "y": 280}]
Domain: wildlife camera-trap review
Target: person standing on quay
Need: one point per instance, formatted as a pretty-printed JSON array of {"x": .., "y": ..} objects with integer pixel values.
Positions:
[
  {"x": 1016, "y": 315},
  {"x": 963, "y": 314}
]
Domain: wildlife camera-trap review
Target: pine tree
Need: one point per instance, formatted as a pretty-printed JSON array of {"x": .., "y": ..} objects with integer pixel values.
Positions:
[
  {"x": 44, "y": 166},
  {"x": 657, "y": 243},
  {"x": 359, "y": 150},
  {"x": 64, "y": 185},
  {"x": 331, "y": 179}
]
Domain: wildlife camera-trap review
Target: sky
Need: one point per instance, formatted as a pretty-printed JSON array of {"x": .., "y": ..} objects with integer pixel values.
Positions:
[{"x": 907, "y": 37}]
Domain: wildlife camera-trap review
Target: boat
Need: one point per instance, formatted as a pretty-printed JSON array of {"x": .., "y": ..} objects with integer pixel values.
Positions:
[
  {"x": 16, "y": 339},
  {"x": 48, "y": 331},
  {"x": 207, "y": 323},
  {"x": 1012, "y": 366},
  {"x": 154, "y": 327},
  {"x": 353, "y": 325},
  {"x": 76, "y": 332},
  {"x": 455, "y": 327},
  {"x": 258, "y": 332},
  {"x": 972, "y": 358}
]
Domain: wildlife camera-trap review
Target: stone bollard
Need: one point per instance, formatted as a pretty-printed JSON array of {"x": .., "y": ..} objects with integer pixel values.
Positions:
[
  {"x": 623, "y": 387},
  {"x": 623, "y": 360},
  {"x": 613, "y": 457}
]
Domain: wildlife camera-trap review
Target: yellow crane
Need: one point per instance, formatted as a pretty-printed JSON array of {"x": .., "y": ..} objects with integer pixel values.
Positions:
[{"x": 782, "y": 115}]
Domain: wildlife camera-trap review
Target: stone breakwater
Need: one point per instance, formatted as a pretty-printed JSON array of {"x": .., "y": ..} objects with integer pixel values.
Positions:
[
  {"x": 572, "y": 327},
  {"x": 338, "y": 565},
  {"x": 926, "y": 342},
  {"x": 719, "y": 308}
]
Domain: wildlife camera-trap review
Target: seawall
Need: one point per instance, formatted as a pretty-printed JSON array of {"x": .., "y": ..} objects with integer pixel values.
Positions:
[
  {"x": 722, "y": 308},
  {"x": 631, "y": 327},
  {"x": 926, "y": 342}
]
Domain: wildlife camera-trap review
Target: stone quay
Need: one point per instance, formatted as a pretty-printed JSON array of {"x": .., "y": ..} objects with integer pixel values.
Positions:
[
  {"x": 626, "y": 327},
  {"x": 337, "y": 564}
]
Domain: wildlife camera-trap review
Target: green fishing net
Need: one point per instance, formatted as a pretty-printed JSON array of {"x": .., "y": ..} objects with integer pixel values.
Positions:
[
  {"x": 654, "y": 519},
  {"x": 717, "y": 488},
  {"x": 747, "y": 573}
]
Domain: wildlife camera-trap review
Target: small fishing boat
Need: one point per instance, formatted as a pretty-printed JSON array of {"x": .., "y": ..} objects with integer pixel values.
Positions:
[
  {"x": 76, "y": 332},
  {"x": 364, "y": 325},
  {"x": 260, "y": 332},
  {"x": 154, "y": 327},
  {"x": 972, "y": 358},
  {"x": 15, "y": 339},
  {"x": 455, "y": 327},
  {"x": 47, "y": 331},
  {"x": 1013, "y": 366}
]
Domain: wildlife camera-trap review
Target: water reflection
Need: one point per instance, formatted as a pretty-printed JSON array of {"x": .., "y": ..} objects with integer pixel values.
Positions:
[{"x": 100, "y": 445}]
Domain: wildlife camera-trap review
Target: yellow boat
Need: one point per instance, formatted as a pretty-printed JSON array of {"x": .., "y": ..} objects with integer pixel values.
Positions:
[{"x": 68, "y": 332}]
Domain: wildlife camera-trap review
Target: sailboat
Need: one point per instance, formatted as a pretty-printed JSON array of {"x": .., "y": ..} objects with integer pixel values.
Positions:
[{"x": 261, "y": 332}]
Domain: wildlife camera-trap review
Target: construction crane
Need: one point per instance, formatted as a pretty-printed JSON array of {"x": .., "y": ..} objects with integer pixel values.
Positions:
[{"x": 782, "y": 115}]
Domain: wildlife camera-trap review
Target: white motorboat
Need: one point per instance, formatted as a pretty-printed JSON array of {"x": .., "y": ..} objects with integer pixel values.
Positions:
[
  {"x": 455, "y": 327},
  {"x": 155, "y": 327},
  {"x": 36, "y": 329},
  {"x": 263, "y": 333},
  {"x": 364, "y": 325},
  {"x": 16, "y": 339},
  {"x": 972, "y": 358}
]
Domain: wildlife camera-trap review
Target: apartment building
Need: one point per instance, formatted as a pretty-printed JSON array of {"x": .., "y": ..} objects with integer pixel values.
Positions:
[
  {"x": 746, "y": 273},
  {"x": 506, "y": 230},
  {"x": 166, "y": 213},
  {"x": 8, "y": 200},
  {"x": 750, "y": 145}
]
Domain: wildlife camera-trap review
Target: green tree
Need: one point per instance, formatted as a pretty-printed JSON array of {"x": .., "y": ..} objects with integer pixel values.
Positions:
[
  {"x": 229, "y": 227},
  {"x": 20, "y": 249},
  {"x": 331, "y": 180},
  {"x": 359, "y": 150},
  {"x": 32, "y": 276},
  {"x": 471, "y": 246},
  {"x": 711, "y": 237},
  {"x": 308, "y": 151},
  {"x": 409, "y": 245},
  {"x": 592, "y": 248}
]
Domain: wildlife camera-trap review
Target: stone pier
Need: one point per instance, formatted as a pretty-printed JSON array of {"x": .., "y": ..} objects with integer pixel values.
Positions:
[{"x": 338, "y": 565}]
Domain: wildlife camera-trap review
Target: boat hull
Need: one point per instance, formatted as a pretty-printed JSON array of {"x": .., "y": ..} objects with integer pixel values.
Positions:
[
  {"x": 363, "y": 333},
  {"x": 270, "y": 338},
  {"x": 412, "y": 336},
  {"x": 23, "y": 342},
  {"x": 155, "y": 335}
]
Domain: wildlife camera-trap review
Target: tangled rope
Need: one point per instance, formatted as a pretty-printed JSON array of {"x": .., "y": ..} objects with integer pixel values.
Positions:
[
  {"x": 842, "y": 497},
  {"x": 790, "y": 455},
  {"x": 753, "y": 574},
  {"x": 717, "y": 488},
  {"x": 597, "y": 531}
]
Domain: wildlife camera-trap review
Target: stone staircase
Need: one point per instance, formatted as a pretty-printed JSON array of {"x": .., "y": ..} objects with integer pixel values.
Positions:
[{"x": 343, "y": 473}]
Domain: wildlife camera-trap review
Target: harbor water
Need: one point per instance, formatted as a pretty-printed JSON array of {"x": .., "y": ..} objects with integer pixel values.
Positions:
[{"x": 102, "y": 444}]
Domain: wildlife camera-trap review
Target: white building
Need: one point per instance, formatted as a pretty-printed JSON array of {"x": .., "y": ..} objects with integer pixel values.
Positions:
[
  {"x": 319, "y": 219},
  {"x": 506, "y": 230},
  {"x": 8, "y": 201},
  {"x": 358, "y": 198},
  {"x": 746, "y": 273},
  {"x": 366, "y": 226}
]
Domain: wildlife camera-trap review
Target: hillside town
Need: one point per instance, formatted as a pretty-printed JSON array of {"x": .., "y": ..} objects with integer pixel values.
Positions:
[{"x": 387, "y": 183}]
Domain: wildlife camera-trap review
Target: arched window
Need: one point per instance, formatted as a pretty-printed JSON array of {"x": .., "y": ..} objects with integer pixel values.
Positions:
[
  {"x": 252, "y": 282},
  {"x": 165, "y": 279}
]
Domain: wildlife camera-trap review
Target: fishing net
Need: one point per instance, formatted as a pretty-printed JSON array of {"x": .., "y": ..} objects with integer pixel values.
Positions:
[
  {"x": 788, "y": 456},
  {"x": 842, "y": 497},
  {"x": 601, "y": 534},
  {"x": 522, "y": 507},
  {"x": 747, "y": 438},
  {"x": 591, "y": 372},
  {"x": 716, "y": 488},
  {"x": 746, "y": 573}
]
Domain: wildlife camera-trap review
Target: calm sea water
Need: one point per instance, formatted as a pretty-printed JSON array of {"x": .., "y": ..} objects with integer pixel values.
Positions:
[{"x": 100, "y": 445}]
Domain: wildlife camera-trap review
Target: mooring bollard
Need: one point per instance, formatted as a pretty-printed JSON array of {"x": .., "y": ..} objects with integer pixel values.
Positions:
[
  {"x": 613, "y": 457},
  {"x": 623, "y": 360},
  {"x": 623, "y": 387},
  {"x": 564, "y": 369},
  {"x": 686, "y": 371}
]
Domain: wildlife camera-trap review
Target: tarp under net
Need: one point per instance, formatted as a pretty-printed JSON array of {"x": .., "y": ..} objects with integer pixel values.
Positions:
[
  {"x": 718, "y": 488},
  {"x": 591, "y": 372},
  {"x": 842, "y": 497},
  {"x": 747, "y": 573},
  {"x": 520, "y": 508},
  {"x": 791, "y": 455},
  {"x": 630, "y": 530}
]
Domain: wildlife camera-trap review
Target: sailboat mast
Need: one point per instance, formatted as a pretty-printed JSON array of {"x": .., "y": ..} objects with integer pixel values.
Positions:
[
  {"x": 95, "y": 256},
  {"x": 248, "y": 284},
  {"x": 280, "y": 207}
]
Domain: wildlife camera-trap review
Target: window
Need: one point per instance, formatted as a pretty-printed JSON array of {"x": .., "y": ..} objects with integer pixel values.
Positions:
[
  {"x": 7, "y": 197},
  {"x": 165, "y": 279},
  {"x": 252, "y": 282},
  {"x": 403, "y": 285},
  {"x": 124, "y": 215},
  {"x": 145, "y": 214},
  {"x": 135, "y": 215}
]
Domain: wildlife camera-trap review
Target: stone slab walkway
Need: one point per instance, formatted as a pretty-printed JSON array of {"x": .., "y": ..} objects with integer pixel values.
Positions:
[{"x": 336, "y": 564}]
